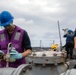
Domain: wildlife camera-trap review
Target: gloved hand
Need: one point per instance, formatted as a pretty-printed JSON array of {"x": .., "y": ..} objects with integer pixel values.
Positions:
[
  {"x": 14, "y": 54},
  {"x": 1, "y": 52}
]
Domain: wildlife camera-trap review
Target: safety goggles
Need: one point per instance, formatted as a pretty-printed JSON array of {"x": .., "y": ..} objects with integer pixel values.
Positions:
[{"x": 8, "y": 26}]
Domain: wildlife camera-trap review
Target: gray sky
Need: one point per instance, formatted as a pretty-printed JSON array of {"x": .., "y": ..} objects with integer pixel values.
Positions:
[{"x": 39, "y": 18}]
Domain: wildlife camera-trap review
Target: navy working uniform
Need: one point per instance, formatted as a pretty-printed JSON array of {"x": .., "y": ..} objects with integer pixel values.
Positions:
[{"x": 69, "y": 43}]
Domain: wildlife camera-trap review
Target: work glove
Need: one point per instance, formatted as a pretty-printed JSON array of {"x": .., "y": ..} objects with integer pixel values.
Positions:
[
  {"x": 1, "y": 52},
  {"x": 14, "y": 54}
]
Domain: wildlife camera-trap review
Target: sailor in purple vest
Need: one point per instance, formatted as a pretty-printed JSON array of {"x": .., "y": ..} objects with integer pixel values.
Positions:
[{"x": 17, "y": 36}]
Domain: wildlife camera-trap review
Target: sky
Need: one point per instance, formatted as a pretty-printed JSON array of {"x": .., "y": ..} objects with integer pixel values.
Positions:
[{"x": 40, "y": 18}]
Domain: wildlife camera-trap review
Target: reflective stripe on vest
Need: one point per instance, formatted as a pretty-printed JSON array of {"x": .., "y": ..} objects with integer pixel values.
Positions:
[
  {"x": 17, "y": 36},
  {"x": 2, "y": 37}
]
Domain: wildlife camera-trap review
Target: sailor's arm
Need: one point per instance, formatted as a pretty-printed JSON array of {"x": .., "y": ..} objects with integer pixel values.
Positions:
[
  {"x": 75, "y": 40},
  {"x": 26, "y": 53},
  {"x": 75, "y": 43}
]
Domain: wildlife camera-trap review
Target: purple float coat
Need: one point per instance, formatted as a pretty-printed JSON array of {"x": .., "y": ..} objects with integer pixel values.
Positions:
[{"x": 16, "y": 41}]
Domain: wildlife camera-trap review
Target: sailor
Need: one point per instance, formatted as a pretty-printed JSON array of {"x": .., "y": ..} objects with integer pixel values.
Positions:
[
  {"x": 15, "y": 35},
  {"x": 69, "y": 43}
]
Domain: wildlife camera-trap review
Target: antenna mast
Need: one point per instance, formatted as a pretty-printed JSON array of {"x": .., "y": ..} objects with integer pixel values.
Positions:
[{"x": 59, "y": 36}]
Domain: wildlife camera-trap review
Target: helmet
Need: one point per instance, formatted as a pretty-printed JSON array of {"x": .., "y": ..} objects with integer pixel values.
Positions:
[
  {"x": 5, "y": 18},
  {"x": 69, "y": 31},
  {"x": 54, "y": 46}
]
